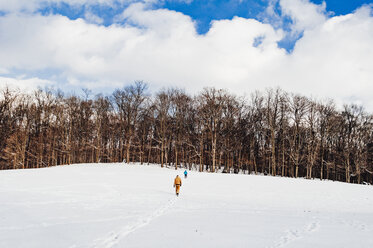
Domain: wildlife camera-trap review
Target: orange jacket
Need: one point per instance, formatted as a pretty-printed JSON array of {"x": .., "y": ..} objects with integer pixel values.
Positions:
[{"x": 177, "y": 181}]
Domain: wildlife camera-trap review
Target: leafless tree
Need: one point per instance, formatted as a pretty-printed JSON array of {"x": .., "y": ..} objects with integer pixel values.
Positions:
[{"x": 274, "y": 132}]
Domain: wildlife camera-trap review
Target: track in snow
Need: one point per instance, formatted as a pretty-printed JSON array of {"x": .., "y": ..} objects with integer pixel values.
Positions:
[
  {"x": 114, "y": 237},
  {"x": 294, "y": 234}
]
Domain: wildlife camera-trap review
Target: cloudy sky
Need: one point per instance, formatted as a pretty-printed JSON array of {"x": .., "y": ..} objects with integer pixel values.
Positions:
[{"x": 322, "y": 49}]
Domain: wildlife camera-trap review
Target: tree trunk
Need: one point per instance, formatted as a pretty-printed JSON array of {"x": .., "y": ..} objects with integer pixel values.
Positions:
[
  {"x": 348, "y": 168},
  {"x": 213, "y": 152},
  {"x": 283, "y": 158},
  {"x": 176, "y": 157},
  {"x": 201, "y": 155},
  {"x": 162, "y": 154},
  {"x": 273, "y": 151}
]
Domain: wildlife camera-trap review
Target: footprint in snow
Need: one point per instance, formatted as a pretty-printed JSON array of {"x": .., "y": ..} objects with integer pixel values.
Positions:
[
  {"x": 114, "y": 237},
  {"x": 292, "y": 235}
]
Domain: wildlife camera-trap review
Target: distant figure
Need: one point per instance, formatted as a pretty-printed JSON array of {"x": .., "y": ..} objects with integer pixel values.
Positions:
[
  {"x": 177, "y": 184},
  {"x": 185, "y": 174}
]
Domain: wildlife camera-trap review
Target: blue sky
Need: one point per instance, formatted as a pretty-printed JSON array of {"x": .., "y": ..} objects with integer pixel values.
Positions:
[
  {"x": 304, "y": 46},
  {"x": 203, "y": 12},
  {"x": 206, "y": 10}
]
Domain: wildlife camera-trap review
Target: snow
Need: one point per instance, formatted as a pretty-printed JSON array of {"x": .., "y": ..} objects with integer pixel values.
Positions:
[{"x": 132, "y": 205}]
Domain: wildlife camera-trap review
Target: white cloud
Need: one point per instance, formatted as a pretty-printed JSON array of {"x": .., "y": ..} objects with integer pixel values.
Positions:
[
  {"x": 332, "y": 59},
  {"x": 335, "y": 58},
  {"x": 92, "y": 18},
  {"x": 4, "y": 71},
  {"x": 305, "y": 14},
  {"x": 271, "y": 16},
  {"x": 24, "y": 84},
  {"x": 32, "y": 5}
]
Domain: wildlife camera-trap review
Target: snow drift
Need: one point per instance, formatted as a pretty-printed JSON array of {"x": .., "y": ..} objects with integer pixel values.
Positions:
[{"x": 121, "y": 205}]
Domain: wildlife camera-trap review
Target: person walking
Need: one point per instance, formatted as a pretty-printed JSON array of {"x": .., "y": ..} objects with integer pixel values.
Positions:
[
  {"x": 177, "y": 184},
  {"x": 185, "y": 174}
]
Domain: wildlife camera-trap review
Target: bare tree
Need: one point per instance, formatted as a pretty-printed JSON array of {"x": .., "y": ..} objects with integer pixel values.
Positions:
[
  {"x": 211, "y": 105},
  {"x": 273, "y": 133},
  {"x": 129, "y": 102},
  {"x": 298, "y": 109}
]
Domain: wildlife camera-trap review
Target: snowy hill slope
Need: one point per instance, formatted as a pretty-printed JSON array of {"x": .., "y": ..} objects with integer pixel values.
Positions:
[{"x": 119, "y": 205}]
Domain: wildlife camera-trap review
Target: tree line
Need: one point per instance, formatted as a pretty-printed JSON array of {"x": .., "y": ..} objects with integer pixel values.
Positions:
[{"x": 272, "y": 132}]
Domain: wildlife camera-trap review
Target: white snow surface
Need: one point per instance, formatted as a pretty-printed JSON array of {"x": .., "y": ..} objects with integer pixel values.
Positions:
[{"x": 133, "y": 205}]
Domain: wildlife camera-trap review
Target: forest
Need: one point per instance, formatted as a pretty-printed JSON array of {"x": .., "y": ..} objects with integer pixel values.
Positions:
[{"x": 272, "y": 132}]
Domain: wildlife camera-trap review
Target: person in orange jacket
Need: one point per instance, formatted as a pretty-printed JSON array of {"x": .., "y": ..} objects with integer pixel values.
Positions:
[{"x": 177, "y": 184}]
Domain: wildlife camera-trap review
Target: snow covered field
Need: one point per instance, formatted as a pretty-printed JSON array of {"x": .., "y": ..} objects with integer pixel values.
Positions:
[{"x": 120, "y": 205}]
